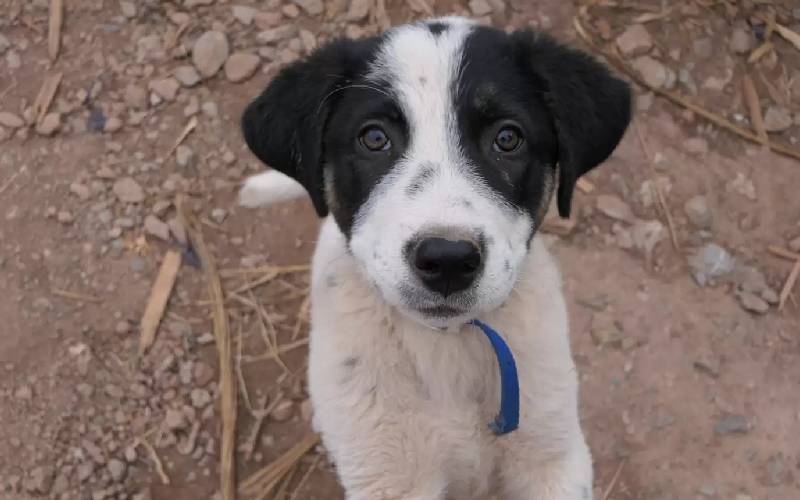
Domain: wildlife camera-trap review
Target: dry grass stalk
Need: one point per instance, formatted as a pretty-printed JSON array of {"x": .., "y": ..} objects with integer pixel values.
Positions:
[
  {"x": 585, "y": 185},
  {"x": 229, "y": 393},
  {"x": 282, "y": 349},
  {"x": 264, "y": 481},
  {"x": 279, "y": 270},
  {"x": 754, "y": 106},
  {"x": 678, "y": 99},
  {"x": 304, "y": 479},
  {"x": 783, "y": 253},
  {"x": 46, "y": 95},
  {"x": 154, "y": 457},
  {"x": 610, "y": 488},
  {"x": 760, "y": 52},
  {"x": 283, "y": 491},
  {"x": 190, "y": 126},
  {"x": 789, "y": 35},
  {"x": 75, "y": 296},
  {"x": 54, "y": 31},
  {"x": 159, "y": 296},
  {"x": 789, "y": 285}
]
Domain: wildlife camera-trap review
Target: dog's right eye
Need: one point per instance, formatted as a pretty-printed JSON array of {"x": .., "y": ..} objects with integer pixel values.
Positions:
[{"x": 375, "y": 139}]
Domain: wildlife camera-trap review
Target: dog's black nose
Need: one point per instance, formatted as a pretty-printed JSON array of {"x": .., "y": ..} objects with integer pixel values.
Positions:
[{"x": 446, "y": 266}]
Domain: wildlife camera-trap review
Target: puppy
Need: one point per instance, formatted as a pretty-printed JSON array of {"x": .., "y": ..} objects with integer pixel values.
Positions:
[{"x": 432, "y": 151}]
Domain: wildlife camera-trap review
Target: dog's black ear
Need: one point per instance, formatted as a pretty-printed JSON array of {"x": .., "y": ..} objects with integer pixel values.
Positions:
[
  {"x": 284, "y": 126},
  {"x": 591, "y": 107}
]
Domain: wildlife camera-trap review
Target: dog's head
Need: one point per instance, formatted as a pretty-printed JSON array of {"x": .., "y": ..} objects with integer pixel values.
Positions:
[{"x": 437, "y": 147}]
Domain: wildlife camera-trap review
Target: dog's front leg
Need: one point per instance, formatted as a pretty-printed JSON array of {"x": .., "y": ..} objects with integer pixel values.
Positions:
[{"x": 565, "y": 478}]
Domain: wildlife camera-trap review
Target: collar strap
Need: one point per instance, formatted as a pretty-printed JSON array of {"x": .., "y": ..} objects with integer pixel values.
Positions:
[{"x": 508, "y": 418}]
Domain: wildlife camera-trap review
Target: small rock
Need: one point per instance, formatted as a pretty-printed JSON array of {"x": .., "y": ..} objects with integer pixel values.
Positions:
[
  {"x": 130, "y": 454},
  {"x": 85, "y": 471},
  {"x": 306, "y": 410},
  {"x": 200, "y": 398},
  {"x": 150, "y": 49},
  {"x": 698, "y": 213},
  {"x": 794, "y": 244},
  {"x": 753, "y": 303},
  {"x": 40, "y": 480},
  {"x": 732, "y": 424},
  {"x": 128, "y": 190},
  {"x": 359, "y": 9},
  {"x": 156, "y": 227},
  {"x": 708, "y": 364},
  {"x": 696, "y": 145},
  {"x": 244, "y": 14},
  {"x": 635, "y": 40},
  {"x": 117, "y": 469},
  {"x": 187, "y": 75},
  {"x": 283, "y": 411},
  {"x": 711, "y": 262},
  {"x": 11, "y": 120},
  {"x": 65, "y": 217},
  {"x": 80, "y": 190},
  {"x": 85, "y": 390},
  {"x": 312, "y": 7},
  {"x": 776, "y": 469},
  {"x": 184, "y": 156},
  {"x": 613, "y": 207},
  {"x": 113, "y": 124},
  {"x": 196, "y": 3},
  {"x": 654, "y": 72},
  {"x": 203, "y": 374},
  {"x": 291, "y": 11},
  {"x": 606, "y": 331},
  {"x": 5, "y": 44},
  {"x": 741, "y": 41},
  {"x": 266, "y": 20},
  {"x": 309, "y": 41},
  {"x": 703, "y": 48},
  {"x": 218, "y": 215},
  {"x": 210, "y": 52},
  {"x": 175, "y": 420},
  {"x": 24, "y": 393},
  {"x": 128, "y": 9},
  {"x": 240, "y": 66},
  {"x": 708, "y": 490},
  {"x": 122, "y": 327},
  {"x": 744, "y": 186},
  {"x": 177, "y": 230},
  {"x": 480, "y": 8},
  {"x": 166, "y": 88},
  {"x": 277, "y": 34},
  {"x": 777, "y": 119},
  {"x": 210, "y": 109},
  {"x": 135, "y": 97},
  {"x": 49, "y": 124}
]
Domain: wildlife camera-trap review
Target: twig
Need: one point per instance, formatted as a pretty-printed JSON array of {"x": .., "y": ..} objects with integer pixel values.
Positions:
[
  {"x": 46, "y": 95},
  {"x": 75, "y": 296},
  {"x": 153, "y": 456},
  {"x": 291, "y": 346},
  {"x": 610, "y": 488},
  {"x": 676, "y": 98},
  {"x": 788, "y": 34},
  {"x": 284, "y": 489},
  {"x": 54, "y": 31},
  {"x": 266, "y": 479},
  {"x": 754, "y": 106},
  {"x": 229, "y": 394},
  {"x": 304, "y": 479},
  {"x": 159, "y": 296},
  {"x": 9, "y": 181},
  {"x": 783, "y": 253},
  {"x": 297, "y": 268},
  {"x": 789, "y": 285},
  {"x": 186, "y": 131}
]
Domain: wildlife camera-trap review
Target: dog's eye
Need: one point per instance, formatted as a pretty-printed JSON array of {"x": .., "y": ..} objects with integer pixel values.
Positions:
[
  {"x": 375, "y": 139},
  {"x": 508, "y": 140}
]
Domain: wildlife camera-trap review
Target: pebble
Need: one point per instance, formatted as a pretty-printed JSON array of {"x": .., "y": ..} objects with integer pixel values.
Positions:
[
  {"x": 244, "y": 14},
  {"x": 480, "y": 8},
  {"x": 122, "y": 327},
  {"x": 654, "y": 73},
  {"x": 218, "y": 215},
  {"x": 49, "y": 124},
  {"x": 776, "y": 469},
  {"x": 777, "y": 119},
  {"x": 605, "y": 331},
  {"x": 732, "y": 424},
  {"x": 276, "y": 34},
  {"x": 175, "y": 420},
  {"x": 177, "y": 230},
  {"x": 40, "y": 480},
  {"x": 696, "y": 145},
  {"x": 698, "y": 213},
  {"x": 794, "y": 244},
  {"x": 741, "y": 41},
  {"x": 240, "y": 66},
  {"x": 210, "y": 52},
  {"x": 635, "y": 40},
  {"x": 117, "y": 469},
  {"x": 753, "y": 303},
  {"x": 186, "y": 75},
  {"x": 113, "y": 124},
  {"x": 283, "y": 411},
  {"x": 166, "y": 88},
  {"x": 156, "y": 227},
  {"x": 210, "y": 109},
  {"x": 11, "y": 120},
  {"x": 184, "y": 156},
  {"x": 127, "y": 190},
  {"x": 359, "y": 9},
  {"x": 197, "y": 3},
  {"x": 65, "y": 217},
  {"x": 5, "y": 44},
  {"x": 312, "y": 7},
  {"x": 150, "y": 49},
  {"x": 80, "y": 190},
  {"x": 128, "y": 9},
  {"x": 615, "y": 208},
  {"x": 703, "y": 48},
  {"x": 135, "y": 97},
  {"x": 710, "y": 262},
  {"x": 266, "y": 20},
  {"x": 24, "y": 393},
  {"x": 200, "y": 398},
  {"x": 744, "y": 186}
]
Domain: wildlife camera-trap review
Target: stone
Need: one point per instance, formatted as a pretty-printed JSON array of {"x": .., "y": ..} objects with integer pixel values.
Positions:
[
  {"x": 200, "y": 398},
  {"x": 742, "y": 185},
  {"x": 311, "y": 7},
  {"x": 741, "y": 41},
  {"x": 614, "y": 208},
  {"x": 480, "y": 8},
  {"x": 753, "y": 303},
  {"x": 49, "y": 124},
  {"x": 177, "y": 230},
  {"x": 777, "y": 119},
  {"x": 646, "y": 234},
  {"x": 309, "y": 41},
  {"x": 266, "y": 20},
  {"x": 703, "y": 48},
  {"x": 187, "y": 75},
  {"x": 184, "y": 156},
  {"x": 40, "y": 480},
  {"x": 24, "y": 393},
  {"x": 166, "y": 88},
  {"x": 794, "y": 244},
  {"x": 11, "y": 120},
  {"x": 605, "y": 331},
  {"x": 65, "y": 217},
  {"x": 654, "y": 73},
  {"x": 776, "y": 469},
  {"x": 175, "y": 420},
  {"x": 197, "y": 3},
  {"x": 696, "y": 145},
  {"x": 732, "y": 424},
  {"x": 635, "y": 40},
  {"x": 210, "y": 109},
  {"x": 358, "y": 10},
  {"x": 283, "y": 411},
  {"x": 150, "y": 49},
  {"x": 156, "y": 227},
  {"x": 210, "y": 52},
  {"x": 218, "y": 215},
  {"x": 80, "y": 190},
  {"x": 698, "y": 213},
  {"x": 711, "y": 262},
  {"x": 276, "y": 34},
  {"x": 244, "y": 14},
  {"x": 240, "y": 66},
  {"x": 203, "y": 374},
  {"x": 117, "y": 469},
  {"x": 135, "y": 97},
  {"x": 127, "y": 190},
  {"x": 128, "y": 9},
  {"x": 5, "y": 44},
  {"x": 113, "y": 124}
]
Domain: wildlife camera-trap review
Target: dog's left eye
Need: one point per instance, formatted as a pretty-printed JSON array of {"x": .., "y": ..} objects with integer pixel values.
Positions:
[
  {"x": 375, "y": 139},
  {"x": 508, "y": 140}
]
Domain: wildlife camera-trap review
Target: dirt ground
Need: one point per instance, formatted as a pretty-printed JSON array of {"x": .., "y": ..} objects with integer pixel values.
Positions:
[{"x": 689, "y": 364}]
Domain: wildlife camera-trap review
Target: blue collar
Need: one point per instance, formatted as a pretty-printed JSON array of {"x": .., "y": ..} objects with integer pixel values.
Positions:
[{"x": 508, "y": 418}]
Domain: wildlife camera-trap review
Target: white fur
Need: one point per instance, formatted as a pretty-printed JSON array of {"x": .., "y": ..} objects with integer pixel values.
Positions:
[
  {"x": 404, "y": 410},
  {"x": 269, "y": 188}
]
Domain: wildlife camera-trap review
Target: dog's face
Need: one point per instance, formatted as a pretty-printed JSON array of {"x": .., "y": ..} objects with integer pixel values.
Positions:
[{"x": 437, "y": 147}]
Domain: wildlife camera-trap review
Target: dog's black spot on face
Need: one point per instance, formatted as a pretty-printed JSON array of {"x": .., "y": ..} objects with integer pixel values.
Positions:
[
  {"x": 436, "y": 28},
  {"x": 466, "y": 203},
  {"x": 507, "y": 265},
  {"x": 351, "y": 362},
  {"x": 331, "y": 281},
  {"x": 417, "y": 184}
]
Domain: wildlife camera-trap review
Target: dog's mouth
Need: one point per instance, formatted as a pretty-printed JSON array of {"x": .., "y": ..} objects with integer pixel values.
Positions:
[{"x": 441, "y": 311}]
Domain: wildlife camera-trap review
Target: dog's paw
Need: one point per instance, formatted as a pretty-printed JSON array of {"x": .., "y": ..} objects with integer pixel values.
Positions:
[{"x": 269, "y": 188}]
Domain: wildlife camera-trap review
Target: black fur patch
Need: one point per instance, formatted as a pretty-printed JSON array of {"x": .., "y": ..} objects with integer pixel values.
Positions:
[{"x": 425, "y": 174}]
